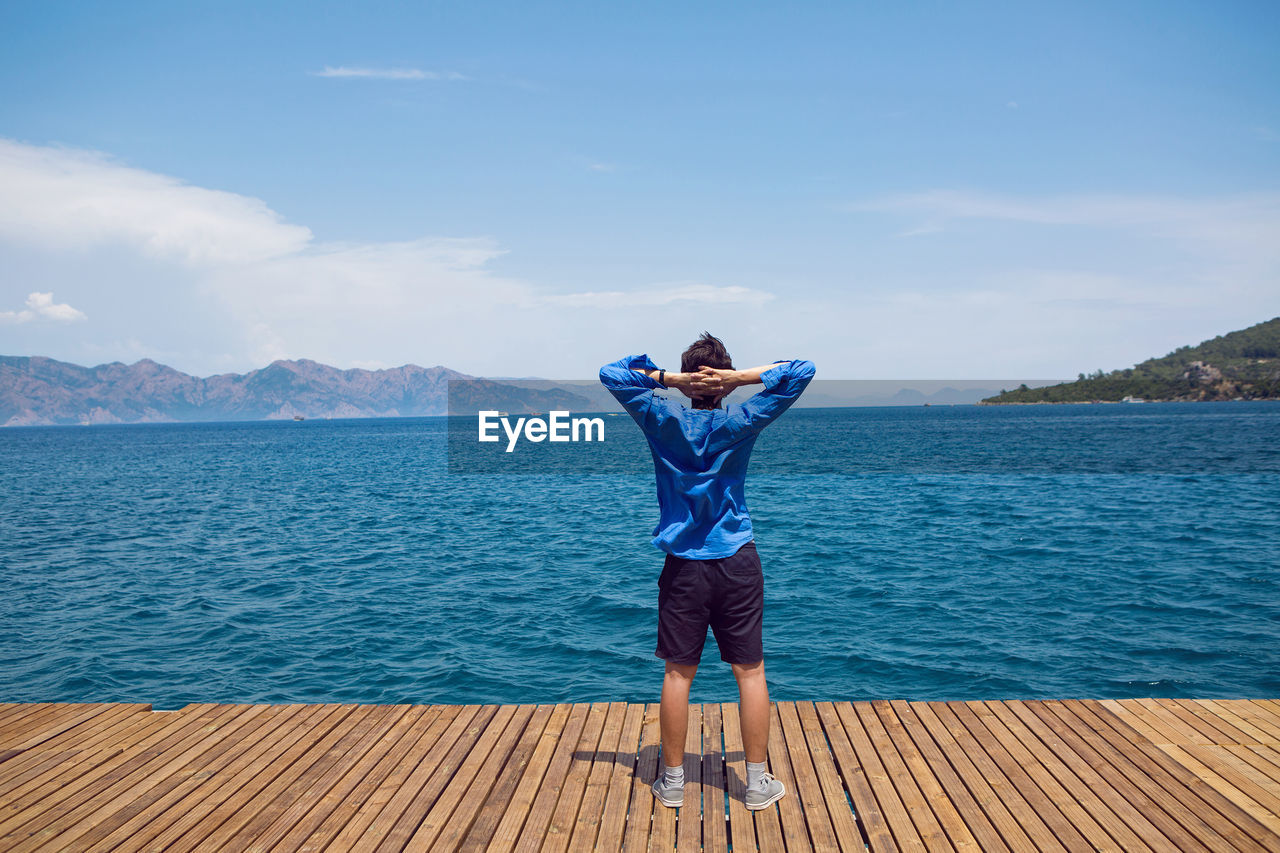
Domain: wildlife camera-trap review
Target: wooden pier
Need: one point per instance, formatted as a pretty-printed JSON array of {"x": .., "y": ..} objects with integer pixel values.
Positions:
[{"x": 1140, "y": 774}]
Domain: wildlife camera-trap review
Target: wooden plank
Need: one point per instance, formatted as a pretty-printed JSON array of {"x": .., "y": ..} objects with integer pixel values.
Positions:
[
  {"x": 1243, "y": 709},
  {"x": 1267, "y": 709},
  {"x": 1123, "y": 710},
  {"x": 547, "y": 794},
  {"x": 12, "y": 712},
  {"x": 1262, "y": 759},
  {"x": 1239, "y": 785},
  {"x": 113, "y": 789},
  {"x": 1256, "y": 732},
  {"x": 38, "y": 806},
  {"x": 181, "y": 778},
  {"x": 1179, "y": 730},
  {"x": 898, "y": 791},
  {"x": 400, "y": 819},
  {"x": 81, "y": 745},
  {"x": 613, "y": 821},
  {"x": 1227, "y": 732},
  {"x": 715, "y": 829},
  {"x": 438, "y": 753},
  {"x": 500, "y": 797},
  {"x": 1029, "y": 820},
  {"x": 1079, "y": 801},
  {"x": 273, "y": 788},
  {"x": 286, "y": 724},
  {"x": 514, "y": 813},
  {"x": 1063, "y": 830},
  {"x": 640, "y": 814},
  {"x": 1262, "y": 787},
  {"x": 358, "y": 782},
  {"x": 848, "y": 837},
  {"x": 586, "y": 828},
  {"x": 888, "y": 804},
  {"x": 560, "y": 829},
  {"x": 35, "y": 775},
  {"x": 473, "y": 781},
  {"x": 27, "y": 719},
  {"x": 662, "y": 831},
  {"x": 742, "y": 828},
  {"x": 65, "y": 719},
  {"x": 689, "y": 828},
  {"x": 1086, "y": 764},
  {"x": 1195, "y": 796},
  {"x": 917, "y": 768},
  {"x": 1009, "y": 828},
  {"x": 1118, "y": 762},
  {"x": 352, "y": 821},
  {"x": 856, "y": 779},
  {"x": 790, "y": 809},
  {"x": 1215, "y": 730},
  {"x": 808, "y": 788},
  {"x": 276, "y": 820},
  {"x": 957, "y": 793}
]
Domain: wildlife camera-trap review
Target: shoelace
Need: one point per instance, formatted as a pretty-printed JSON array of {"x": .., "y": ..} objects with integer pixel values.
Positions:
[{"x": 765, "y": 778}]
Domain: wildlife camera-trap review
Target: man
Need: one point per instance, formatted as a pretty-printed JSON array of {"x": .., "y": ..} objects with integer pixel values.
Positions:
[{"x": 712, "y": 575}]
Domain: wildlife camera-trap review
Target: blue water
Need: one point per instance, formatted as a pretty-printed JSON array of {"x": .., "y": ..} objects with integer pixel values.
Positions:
[{"x": 922, "y": 553}]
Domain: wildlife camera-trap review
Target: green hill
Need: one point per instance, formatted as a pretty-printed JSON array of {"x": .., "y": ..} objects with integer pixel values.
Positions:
[{"x": 1243, "y": 365}]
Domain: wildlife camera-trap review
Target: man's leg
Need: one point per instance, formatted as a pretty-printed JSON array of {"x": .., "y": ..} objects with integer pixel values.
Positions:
[
  {"x": 753, "y": 709},
  {"x": 673, "y": 713}
]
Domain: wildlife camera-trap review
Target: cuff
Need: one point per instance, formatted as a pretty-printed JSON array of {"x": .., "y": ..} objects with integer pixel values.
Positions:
[
  {"x": 771, "y": 377},
  {"x": 645, "y": 363}
]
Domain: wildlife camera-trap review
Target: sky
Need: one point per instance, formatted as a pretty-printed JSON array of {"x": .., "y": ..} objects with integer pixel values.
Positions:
[{"x": 894, "y": 191}]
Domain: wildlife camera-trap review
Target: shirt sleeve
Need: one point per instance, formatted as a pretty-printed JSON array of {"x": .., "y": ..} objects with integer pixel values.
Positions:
[
  {"x": 783, "y": 384},
  {"x": 633, "y": 390}
]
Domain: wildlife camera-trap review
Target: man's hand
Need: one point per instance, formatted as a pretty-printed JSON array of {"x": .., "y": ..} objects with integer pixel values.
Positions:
[{"x": 715, "y": 382}]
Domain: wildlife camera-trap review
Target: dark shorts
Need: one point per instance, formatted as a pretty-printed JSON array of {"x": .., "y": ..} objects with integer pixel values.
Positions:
[{"x": 725, "y": 594}]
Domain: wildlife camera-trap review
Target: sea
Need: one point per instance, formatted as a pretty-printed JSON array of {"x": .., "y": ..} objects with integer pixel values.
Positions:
[{"x": 925, "y": 553}]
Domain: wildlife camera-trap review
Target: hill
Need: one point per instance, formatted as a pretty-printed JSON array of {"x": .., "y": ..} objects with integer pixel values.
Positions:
[
  {"x": 38, "y": 391},
  {"x": 1242, "y": 365}
]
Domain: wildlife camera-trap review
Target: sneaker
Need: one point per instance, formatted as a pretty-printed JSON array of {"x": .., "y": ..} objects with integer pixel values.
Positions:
[
  {"x": 668, "y": 795},
  {"x": 764, "y": 794}
]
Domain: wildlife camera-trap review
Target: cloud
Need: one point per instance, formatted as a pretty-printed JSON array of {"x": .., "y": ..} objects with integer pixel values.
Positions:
[
  {"x": 40, "y": 306},
  {"x": 190, "y": 268},
  {"x": 387, "y": 73},
  {"x": 602, "y": 167},
  {"x": 65, "y": 198},
  {"x": 1240, "y": 226},
  {"x": 692, "y": 292}
]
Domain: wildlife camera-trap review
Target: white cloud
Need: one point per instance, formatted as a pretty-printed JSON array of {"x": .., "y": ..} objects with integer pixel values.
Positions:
[
  {"x": 692, "y": 292},
  {"x": 65, "y": 198},
  {"x": 40, "y": 306},
  {"x": 387, "y": 73},
  {"x": 229, "y": 263},
  {"x": 1240, "y": 223}
]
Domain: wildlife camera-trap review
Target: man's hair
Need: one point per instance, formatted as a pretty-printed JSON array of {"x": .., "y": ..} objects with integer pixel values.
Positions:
[{"x": 707, "y": 350}]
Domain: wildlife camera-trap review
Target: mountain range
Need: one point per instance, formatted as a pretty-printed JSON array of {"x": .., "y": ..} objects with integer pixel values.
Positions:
[
  {"x": 1240, "y": 365},
  {"x": 39, "y": 391}
]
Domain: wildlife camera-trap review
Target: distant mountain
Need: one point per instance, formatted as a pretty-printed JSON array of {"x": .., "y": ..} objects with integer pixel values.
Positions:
[
  {"x": 36, "y": 390},
  {"x": 1243, "y": 365}
]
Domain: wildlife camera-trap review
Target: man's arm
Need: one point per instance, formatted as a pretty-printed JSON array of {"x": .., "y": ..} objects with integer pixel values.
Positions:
[
  {"x": 628, "y": 380},
  {"x": 692, "y": 384},
  {"x": 783, "y": 382}
]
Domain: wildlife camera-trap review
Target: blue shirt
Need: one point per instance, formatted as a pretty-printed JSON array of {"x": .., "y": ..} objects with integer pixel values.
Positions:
[{"x": 700, "y": 455}]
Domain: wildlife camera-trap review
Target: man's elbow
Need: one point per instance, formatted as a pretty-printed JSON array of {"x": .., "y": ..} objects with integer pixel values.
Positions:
[
  {"x": 613, "y": 376},
  {"x": 803, "y": 369}
]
